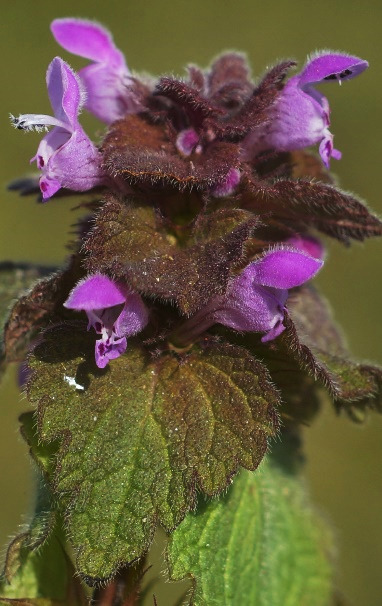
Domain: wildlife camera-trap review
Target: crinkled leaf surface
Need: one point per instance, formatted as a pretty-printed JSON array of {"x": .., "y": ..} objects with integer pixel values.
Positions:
[
  {"x": 41, "y": 306},
  {"x": 317, "y": 342},
  {"x": 42, "y": 454},
  {"x": 128, "y": 242},
  {"x": 144, "y": 152},
  {"x": 24, "y": 544},
  {"x": 260, "y": 545},
  {"x": 305, "y": 204},
  {"x": 14, "y": 280},
  {"x": 141, "y": 436}
]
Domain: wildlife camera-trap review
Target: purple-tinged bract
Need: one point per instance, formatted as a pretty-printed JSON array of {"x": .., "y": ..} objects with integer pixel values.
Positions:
[
  {"x": 228, "y": 185},
  {"x": 187, "y": 141},
  {"x": 113, "y": 311}
]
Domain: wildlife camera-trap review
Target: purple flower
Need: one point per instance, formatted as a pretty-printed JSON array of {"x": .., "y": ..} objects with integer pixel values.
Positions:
[
  {"x": 187, "y": 142},
  {"x": 307, "y": 244},
  {"x": 301, "y": 115},
  {"x": 66, "y": 156},
  {"x": 255, "y": 300},
  {"x": 228, "y": 185},
  {"x": 113, "y": 311},
  {"x": 107, "y": 81}
]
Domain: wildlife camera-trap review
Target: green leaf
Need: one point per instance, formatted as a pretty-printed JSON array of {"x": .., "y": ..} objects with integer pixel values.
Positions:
[
  {"x": 14, "y": 280},
  {"x": 43, "y": 454},
  {"x": 142, "y": 436},
  {"x": 359, "y": 386},
  {"x": 318, "y": 344},
  {"x": 260, "y": 545},
  {"x": 44, "y": 578},
  {"x": 40, "y": 528},
  {"x": 41, "y": 306}
]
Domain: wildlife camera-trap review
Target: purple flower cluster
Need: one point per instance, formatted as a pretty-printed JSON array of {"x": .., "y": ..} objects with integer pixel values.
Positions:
[
  {"x": 255, "y": 299},
  {"x": 67, "y": 158}
]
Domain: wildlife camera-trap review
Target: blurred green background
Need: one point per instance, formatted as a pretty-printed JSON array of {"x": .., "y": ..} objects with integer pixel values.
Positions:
[{"x": 161, "y": 36}]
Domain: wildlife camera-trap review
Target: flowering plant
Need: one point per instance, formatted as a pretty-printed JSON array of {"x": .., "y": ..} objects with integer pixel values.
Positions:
[{"x": 205, "y": 337}]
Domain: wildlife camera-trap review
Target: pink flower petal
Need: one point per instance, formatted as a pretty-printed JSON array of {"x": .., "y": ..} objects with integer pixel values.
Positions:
[
  {"x": 96, "y": 291},
  {"x": 64, "y": 92},
  {"x": 331, "y": 66},
  {"x": 284, "y": 269},
  {"x": 87, "y": 39}
]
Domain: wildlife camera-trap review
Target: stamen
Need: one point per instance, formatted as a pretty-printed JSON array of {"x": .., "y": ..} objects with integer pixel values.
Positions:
[
  {"x": 36, "y": 122},
  {"x": 331, "y": 77}
]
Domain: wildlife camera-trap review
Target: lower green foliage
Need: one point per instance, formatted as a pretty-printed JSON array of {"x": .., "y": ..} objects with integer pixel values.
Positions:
[
  {"x": 14, "y": 280},
  {"x": 260, "y": 545},
  {"x": 140, "y": 437},
  {"x": 45, "y": 577}
]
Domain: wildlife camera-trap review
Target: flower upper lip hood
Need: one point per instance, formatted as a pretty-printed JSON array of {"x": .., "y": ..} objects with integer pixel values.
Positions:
[
  {"x": 107, "y": 80},
  {"x": 331, "y": 66},
  {"x": 300, "y": 117},
  {"x": 66, "y": 156}
]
